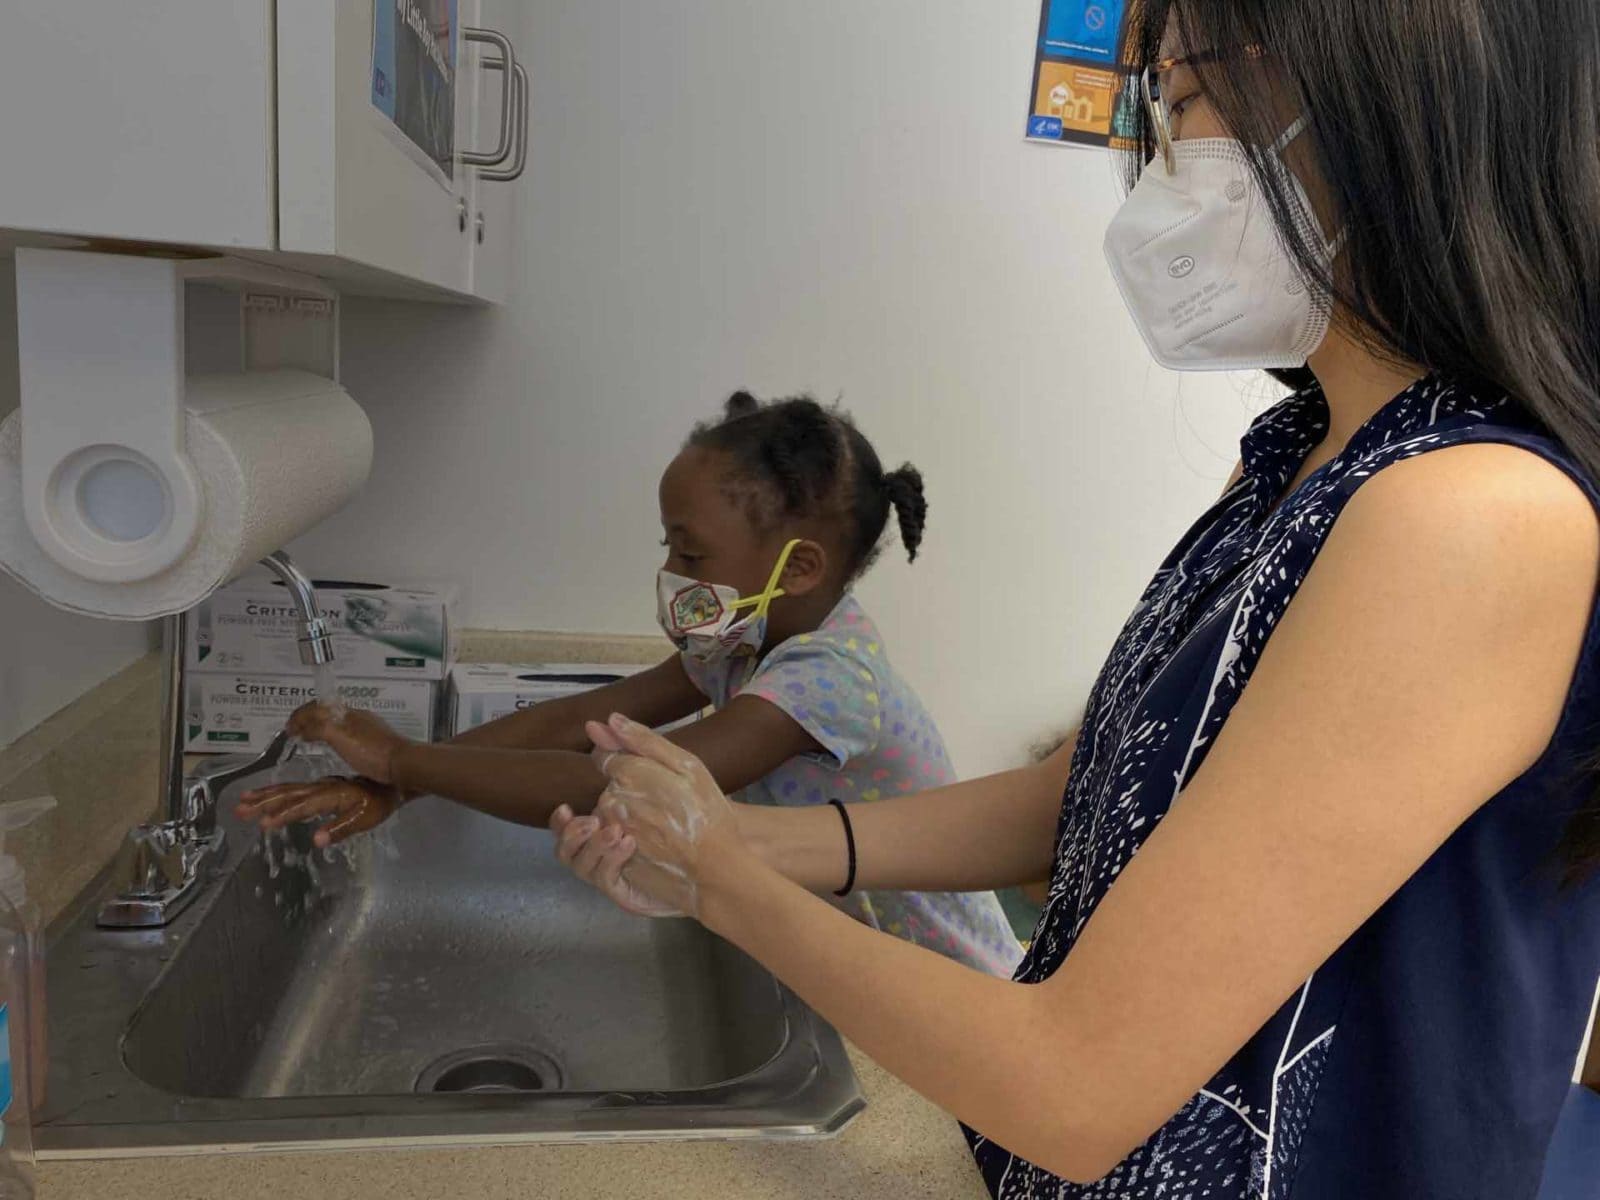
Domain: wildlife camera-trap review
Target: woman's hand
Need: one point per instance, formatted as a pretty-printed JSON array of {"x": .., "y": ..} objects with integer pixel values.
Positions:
[
  {"x": 363, "y": 740},
  {"x": 599, "y": 854},
  {"x": 350, "y": 806},
  {"x": 683, "y": 830}
]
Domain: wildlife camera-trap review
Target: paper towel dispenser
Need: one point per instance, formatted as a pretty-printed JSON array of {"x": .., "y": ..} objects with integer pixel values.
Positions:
[{"x": 131, "y": 490}]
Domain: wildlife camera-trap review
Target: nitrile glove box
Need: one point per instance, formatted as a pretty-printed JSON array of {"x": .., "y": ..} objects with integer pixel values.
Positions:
[
  {"x": 380, "y": 631},
  {"x": 230, "y": 713},
  {"x": 484, "y": 692}
]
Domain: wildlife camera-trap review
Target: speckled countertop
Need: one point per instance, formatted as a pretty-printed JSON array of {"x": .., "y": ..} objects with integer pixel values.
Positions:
[{"x": 900, "y": 1147}]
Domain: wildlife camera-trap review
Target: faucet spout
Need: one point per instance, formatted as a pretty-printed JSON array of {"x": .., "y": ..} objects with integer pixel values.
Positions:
[
  {"x": 316, "y": 640},
  {"x": 165, "y": 860}
]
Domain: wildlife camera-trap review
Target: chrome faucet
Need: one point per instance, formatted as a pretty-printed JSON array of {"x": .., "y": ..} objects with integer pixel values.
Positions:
[
  {"x": 316, "y": 642},
  {"x": 163, "y": 862}
]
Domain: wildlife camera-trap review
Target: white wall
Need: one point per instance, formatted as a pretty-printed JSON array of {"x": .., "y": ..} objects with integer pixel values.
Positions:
[
  {"x": 832, "y": 196},
  {"x": 47, "y": 657}
]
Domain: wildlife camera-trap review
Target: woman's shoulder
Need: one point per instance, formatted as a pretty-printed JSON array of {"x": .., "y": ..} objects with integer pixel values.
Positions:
[
  {"x": 1493, "y": 519},
  {"x": 1482, "y": 475}
]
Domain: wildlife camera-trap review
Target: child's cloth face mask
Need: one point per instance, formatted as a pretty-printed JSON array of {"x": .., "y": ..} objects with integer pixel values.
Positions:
[
  {"x": 703, "y": 619},
  {"x": 1201, "y": 267}
]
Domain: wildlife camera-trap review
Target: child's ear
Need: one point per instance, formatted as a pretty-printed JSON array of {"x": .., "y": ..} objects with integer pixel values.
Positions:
[{"x": 806, "y": 569}]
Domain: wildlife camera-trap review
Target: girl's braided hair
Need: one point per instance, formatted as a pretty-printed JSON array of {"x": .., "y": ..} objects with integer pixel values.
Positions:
[{"x": 796, "y": 458}]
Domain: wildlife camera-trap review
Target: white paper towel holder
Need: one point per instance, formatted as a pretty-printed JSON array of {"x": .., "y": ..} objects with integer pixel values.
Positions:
[{"x": 109, "y": 491}]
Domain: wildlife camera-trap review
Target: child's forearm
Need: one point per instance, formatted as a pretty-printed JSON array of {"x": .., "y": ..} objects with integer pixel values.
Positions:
[
  {"x": 553, "y": 725},
  {"x": 656, "y": 697},
  {"x": 524, "y": 786}
]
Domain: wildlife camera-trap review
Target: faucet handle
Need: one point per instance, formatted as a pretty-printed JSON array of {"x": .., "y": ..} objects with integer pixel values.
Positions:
[
  {"x": 216, "y": 780},
  {"x": 152, "y": 860},
  {"x": 161, "y": 867}
]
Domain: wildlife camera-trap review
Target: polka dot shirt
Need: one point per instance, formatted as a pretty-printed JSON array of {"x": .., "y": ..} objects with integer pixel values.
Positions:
[{"x": 877, "y": 740}]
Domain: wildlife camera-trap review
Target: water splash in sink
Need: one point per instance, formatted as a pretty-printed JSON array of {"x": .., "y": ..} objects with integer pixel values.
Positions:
[{"x": 289, "y": 854}]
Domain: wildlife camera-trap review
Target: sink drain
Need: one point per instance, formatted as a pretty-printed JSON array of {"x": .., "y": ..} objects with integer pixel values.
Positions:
[{"x": 489, "y": 1069}]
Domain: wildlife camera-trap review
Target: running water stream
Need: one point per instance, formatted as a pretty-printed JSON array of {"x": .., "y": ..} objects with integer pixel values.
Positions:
[
  {"x": 306, "y": 761},
  {"x": 328, "y": 688}
]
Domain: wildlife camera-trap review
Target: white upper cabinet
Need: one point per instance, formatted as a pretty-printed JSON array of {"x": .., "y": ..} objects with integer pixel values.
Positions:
[
  {"x": 366, "y": 141},
  {"x": 148, "y": 122},
  {"x": 353, "y": 183}
]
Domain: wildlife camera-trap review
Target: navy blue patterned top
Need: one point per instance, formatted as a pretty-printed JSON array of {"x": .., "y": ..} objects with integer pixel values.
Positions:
[{"x": 1429, "y": 1056}]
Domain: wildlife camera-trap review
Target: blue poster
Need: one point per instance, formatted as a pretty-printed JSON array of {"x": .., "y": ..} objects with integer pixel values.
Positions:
[
  {"x": 1083, "y": 29},
  {"x": 1081, "y": 93},
  {"x": 414, "y": 73}
]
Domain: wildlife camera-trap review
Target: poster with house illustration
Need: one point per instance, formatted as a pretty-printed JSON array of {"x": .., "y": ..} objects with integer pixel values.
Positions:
[{"x": 1078, "y": 97}]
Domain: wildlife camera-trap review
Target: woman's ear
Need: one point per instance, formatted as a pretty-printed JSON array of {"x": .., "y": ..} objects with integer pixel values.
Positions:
[{"x": 806, "y": 569}]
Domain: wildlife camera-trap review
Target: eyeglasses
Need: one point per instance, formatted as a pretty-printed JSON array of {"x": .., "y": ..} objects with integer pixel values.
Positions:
[{"x": 1155, "y": 100}]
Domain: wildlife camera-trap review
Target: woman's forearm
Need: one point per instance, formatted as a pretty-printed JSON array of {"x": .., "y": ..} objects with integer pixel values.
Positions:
[
  {"x": 984, "y": 833},
  {"x": 968, "y": 1041},
  {"x": 524, "y": 786}
]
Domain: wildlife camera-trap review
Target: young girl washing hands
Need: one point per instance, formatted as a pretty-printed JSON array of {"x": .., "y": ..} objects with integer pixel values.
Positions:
[{"x": 770, "y": 515}]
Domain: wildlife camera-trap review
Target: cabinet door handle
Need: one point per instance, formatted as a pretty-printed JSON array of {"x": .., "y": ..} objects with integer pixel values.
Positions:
[
  {"x": 519, "y": 82},
  {"x": 508, "y": 58}
]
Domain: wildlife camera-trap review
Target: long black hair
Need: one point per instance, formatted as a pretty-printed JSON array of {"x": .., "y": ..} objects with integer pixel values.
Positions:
[
  {"x": 796, "y": 458},
  {"x": 1459, "y": 142}
]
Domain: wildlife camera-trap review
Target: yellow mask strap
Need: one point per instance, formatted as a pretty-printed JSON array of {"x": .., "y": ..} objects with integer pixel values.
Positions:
[{"x": 772, "y": 591}]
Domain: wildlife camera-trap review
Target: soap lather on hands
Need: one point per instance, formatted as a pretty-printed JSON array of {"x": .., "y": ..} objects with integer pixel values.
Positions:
[
  {"x": 347, "y": 806},
  {"x": 662, "y": 827}
]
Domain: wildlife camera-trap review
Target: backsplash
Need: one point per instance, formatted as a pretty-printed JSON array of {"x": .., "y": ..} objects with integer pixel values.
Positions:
[
  {"x": 510, "y": 646},
  {"x": 100, "y": 756}
]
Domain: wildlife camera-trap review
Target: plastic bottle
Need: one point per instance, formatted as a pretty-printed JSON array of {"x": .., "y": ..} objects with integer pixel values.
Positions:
[{"x": 23, "y": 1052}]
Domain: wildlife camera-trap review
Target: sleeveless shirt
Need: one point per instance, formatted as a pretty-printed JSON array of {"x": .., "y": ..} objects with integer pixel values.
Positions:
[{"x": 1429, "y": 1056}]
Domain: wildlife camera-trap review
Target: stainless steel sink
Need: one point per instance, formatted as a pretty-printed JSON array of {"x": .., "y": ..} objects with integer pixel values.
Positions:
[{"x": 451, "y": 984}]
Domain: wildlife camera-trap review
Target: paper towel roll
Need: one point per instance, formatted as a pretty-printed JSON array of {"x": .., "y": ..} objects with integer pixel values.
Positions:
[{"x": 275, "y": 451}]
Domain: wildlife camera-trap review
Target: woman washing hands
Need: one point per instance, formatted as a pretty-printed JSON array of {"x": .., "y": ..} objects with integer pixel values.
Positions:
[
  {"x": 1322, "y": 919},
  {"x": 659, "y": 823}
]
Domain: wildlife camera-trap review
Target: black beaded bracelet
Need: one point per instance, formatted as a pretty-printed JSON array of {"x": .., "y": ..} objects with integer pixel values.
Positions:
[{"x": 850, "y": 847}]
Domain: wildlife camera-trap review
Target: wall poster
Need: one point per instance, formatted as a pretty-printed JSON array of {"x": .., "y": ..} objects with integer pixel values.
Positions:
[{"x": 1078, "y": 96}]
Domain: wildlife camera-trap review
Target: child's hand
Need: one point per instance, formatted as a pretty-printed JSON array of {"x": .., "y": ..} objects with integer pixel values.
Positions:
[
  {"x": 599, "y": 854},
  {"x": 353, "y": 806},
  {"x": 360, "y": 738},
  {"x": 666, "y": 802}
]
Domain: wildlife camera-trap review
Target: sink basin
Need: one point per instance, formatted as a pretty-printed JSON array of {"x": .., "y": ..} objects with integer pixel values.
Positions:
[{"x": 445, "y": 982}]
